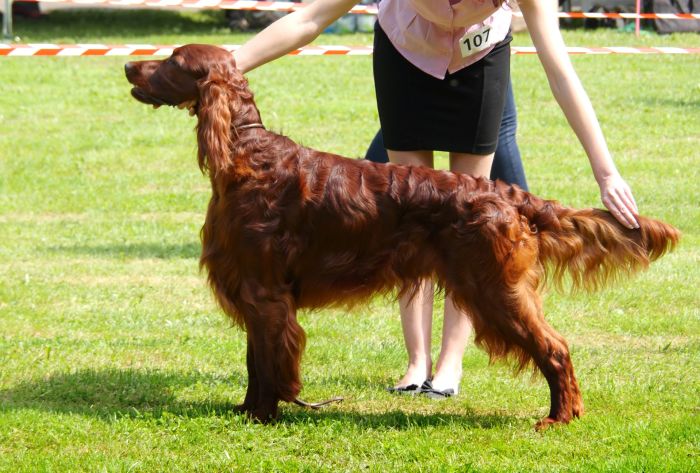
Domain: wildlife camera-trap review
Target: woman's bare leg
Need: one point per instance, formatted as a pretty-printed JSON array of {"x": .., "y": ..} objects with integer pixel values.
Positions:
[
  {"x": 456, "y": 328},
  {"x": 417, "y": 325},
  {"x": 417, "y": 311}
]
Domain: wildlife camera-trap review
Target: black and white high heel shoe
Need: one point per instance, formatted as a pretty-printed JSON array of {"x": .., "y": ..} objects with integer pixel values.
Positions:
[
  {"x": 428, "y": 390},
  {"x": 411, "y": 389}
]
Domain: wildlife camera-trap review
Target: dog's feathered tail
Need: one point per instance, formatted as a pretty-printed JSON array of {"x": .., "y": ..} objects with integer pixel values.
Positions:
[
  {"x": 593, "y": 247},
  {"x": 590, "y": 245}
]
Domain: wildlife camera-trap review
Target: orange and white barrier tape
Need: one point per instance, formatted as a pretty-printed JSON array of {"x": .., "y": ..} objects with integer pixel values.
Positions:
[
  {"x": 629, "y": 16},
  {"x": 282, "y": 6},
  {"x": 151, "y": 50},
  {"x": 208, "y": 4}
]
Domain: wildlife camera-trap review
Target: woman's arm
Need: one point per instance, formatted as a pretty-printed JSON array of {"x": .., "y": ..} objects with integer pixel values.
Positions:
[
  {"x": 543, "y": 25},
  {"x": 290, "y": 32}
]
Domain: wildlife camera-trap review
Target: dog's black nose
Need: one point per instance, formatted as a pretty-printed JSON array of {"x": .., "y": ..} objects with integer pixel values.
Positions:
[{"x": 128, "y": 67}]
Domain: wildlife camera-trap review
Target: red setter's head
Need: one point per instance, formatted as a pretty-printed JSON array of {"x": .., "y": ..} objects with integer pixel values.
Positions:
[{"x": 204, "y": 79}]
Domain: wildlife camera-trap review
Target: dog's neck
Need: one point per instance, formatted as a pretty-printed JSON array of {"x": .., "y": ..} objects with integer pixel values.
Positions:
[{"x": 247, "y": 118}]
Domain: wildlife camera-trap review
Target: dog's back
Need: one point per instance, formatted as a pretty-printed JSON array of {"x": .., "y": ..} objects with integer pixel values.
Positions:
[{"x": 344, "y": 229}]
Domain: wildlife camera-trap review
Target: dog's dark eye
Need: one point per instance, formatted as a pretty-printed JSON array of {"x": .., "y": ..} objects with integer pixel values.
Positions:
[{"x": 172, "y": 61}]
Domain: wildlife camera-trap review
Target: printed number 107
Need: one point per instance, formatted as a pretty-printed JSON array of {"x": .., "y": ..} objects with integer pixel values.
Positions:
[{"x": 477, "y": 40}]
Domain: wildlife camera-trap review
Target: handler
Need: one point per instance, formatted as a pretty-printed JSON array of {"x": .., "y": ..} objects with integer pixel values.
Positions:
[{"x": 441, "y": 68}]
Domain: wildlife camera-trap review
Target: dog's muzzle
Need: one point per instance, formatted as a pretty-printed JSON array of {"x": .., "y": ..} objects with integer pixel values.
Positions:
[{"x": 142, "y": 96}]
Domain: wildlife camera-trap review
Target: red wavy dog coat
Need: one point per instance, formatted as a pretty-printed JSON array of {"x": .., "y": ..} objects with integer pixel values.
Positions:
[{"x": 290, "y": 227}]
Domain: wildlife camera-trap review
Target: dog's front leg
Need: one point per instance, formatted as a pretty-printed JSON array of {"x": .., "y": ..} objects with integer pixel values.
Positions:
[
  {"x": 275, "y": 344},
  {"x": 251, "y": 397}
]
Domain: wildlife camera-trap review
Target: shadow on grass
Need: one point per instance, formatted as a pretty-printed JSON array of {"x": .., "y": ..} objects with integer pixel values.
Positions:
[
  {"x": 113, "y": 394},
  {"x": 136, "y": 250},
  {"x": 80, "y": 24},
  {"x": 398, "y": 419}
]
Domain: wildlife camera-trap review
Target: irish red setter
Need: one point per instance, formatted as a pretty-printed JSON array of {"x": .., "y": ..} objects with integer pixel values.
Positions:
[{"x": 289, "y": 227}]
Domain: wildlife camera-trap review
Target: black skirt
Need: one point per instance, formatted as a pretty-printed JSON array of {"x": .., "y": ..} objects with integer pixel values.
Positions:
[{"x": 460, "y": 113}]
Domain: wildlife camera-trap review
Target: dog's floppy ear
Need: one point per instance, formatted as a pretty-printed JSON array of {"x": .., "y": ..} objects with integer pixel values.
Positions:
[{"x": 217, "y": 104}]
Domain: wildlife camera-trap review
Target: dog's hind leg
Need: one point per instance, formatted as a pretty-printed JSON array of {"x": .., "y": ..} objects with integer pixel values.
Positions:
[
  {"x": 510, "y": 322},
  {"x": 275, "y": 344},
  {"x": 499, "y": 290},
  {"x": 552, "y": 357}
]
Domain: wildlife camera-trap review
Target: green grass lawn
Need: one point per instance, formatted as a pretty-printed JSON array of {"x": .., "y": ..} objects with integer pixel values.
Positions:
[{"x": 114, "y": 357}]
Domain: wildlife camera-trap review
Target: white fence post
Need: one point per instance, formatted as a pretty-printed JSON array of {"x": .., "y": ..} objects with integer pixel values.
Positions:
[{"x": 7, "y": 20}]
